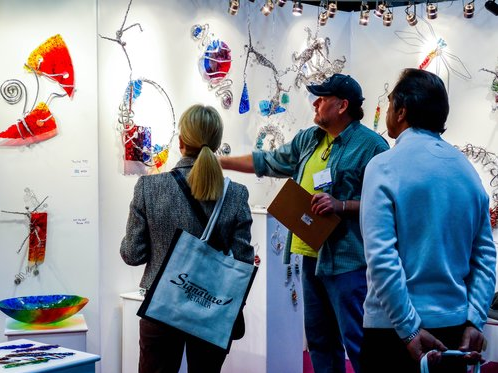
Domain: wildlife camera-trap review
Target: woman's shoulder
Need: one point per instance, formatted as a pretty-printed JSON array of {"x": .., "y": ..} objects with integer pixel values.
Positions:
[{"x": 237, "y": 189}]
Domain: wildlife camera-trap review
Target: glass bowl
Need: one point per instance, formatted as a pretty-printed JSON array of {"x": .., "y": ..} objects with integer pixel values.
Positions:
[{"x": 42, "y": 309}]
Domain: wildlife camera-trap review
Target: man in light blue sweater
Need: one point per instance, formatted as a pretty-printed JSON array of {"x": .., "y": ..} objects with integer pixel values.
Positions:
[{"x": 430, "y": 255}]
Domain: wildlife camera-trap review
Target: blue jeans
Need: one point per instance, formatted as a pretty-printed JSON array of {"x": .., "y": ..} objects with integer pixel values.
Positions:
[{"x": 333, "y": 317}]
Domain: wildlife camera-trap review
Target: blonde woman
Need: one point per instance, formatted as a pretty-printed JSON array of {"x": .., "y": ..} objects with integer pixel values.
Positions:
[{"x": 158, "y": 208}]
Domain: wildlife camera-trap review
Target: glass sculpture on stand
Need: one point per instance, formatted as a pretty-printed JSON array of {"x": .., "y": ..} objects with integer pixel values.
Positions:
[
  {"x": 36, "y": 238},
  {"x": 51, "y": 60},
  {"x": 142, "y": 153},
  {"x": 214, "y": 63},
  {"x": 42, "y": 309}
]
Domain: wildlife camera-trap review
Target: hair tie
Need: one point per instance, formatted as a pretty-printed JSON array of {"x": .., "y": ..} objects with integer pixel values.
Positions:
[{"x": 203, "y": 145}]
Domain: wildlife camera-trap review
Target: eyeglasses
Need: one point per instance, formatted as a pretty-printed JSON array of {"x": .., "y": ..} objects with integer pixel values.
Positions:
[{"x": 328, "y": 149}]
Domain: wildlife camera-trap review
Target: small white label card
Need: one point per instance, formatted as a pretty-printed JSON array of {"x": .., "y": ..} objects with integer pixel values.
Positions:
[
  {"x": 80, "y": 168},
  {"x": 322, "y": 179}
]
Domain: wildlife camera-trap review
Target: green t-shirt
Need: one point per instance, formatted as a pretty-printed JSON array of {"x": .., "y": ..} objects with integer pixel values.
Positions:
[{"x": 315, "y": 164}]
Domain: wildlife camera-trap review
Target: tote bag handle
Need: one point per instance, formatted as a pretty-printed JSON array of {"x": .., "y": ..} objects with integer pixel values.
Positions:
[
  {"x": 424, "y": 365},
  {"x": 216, "y": 212}
]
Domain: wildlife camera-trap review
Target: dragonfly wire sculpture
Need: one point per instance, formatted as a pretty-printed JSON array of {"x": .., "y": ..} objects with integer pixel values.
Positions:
[{"x": 439, "y": 55}]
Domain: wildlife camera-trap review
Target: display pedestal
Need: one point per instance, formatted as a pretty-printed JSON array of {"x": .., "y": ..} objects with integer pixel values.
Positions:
[
  {"x": 274, "y": 325},
  {"x": 78, "y": 362},
  {"x": 70, "y": 333},
  {"x": 491, "y": 333}
]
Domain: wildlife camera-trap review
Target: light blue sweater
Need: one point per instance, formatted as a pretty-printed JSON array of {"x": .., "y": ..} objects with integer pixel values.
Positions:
[{"x": 428, "y": 244}]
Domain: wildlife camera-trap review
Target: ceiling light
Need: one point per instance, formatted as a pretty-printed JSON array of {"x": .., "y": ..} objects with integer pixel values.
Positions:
[
  {"x": 468, "y": 9},
  {"x": 332, "y": 9},
  {"x": 322, "y": 18},
  {"x": 492, "y": 6},
  {"x": 387, "y": 18},
  {"x": 233, "y": 7},
  {"x": 297, "y": 8},
  {"x": 267, "y": 8},
  {"x": 380, "y": 9},
  {"x": 431, "y": 10},
  {"x": 364, "y": 13},
  {"x": 411, "y": 16},
  {"x": 281, "y": 3}
]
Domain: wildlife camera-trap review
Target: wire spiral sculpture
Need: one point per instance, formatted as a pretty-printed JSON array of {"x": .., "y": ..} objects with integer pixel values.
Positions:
[{"x": 489, "y": 161}]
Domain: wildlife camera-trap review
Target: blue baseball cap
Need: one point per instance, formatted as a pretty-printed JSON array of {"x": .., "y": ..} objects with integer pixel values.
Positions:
[{"x": 339, "y": 85}]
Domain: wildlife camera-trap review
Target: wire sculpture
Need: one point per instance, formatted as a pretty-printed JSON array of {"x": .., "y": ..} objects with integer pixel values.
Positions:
[
  {"x": 313, "y": 65},
  {"x": 273, "y": 105},
  {"x": 215, "y": 63},
  {"x": 380, "y": 101},
  {"x": 419, "y": 38},
  {"x": 141, "y": 156},
  {"x": 489, "y": 161},
  {"x": 37, "y": 235},
  {"x": 494, "y": 87},
  {"x": 272, "y": 134},
  {"x": 50, "y": 59}
]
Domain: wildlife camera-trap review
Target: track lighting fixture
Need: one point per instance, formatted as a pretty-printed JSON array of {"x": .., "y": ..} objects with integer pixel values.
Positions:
[
  {"x": 297, "y": 8},
  {"x": 411, "y": 15},
  {"x": 267, "y": 8},
  {"x": 233, "y": 7},
  {"x": 364, "y": 13},
  {"x": 332, "y": 9},
  {"x": 387, "y": 17},
  {"x": 281, "y": 3},
  {"x": 322, "y": 18},
  {"x": 492, "y": 6},
  {"x": 468, "y": 9},
  {"x": 431, "y": 10},
  {"x": 380, "y": 9}
]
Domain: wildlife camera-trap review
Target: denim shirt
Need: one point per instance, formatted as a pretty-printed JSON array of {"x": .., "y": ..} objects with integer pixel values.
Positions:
[{"x": 353, "y": 148}]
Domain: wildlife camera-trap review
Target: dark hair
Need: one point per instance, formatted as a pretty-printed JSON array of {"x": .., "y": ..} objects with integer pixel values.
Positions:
[
  {"x": 424, "y": 97},
  {"x": 355, "y": 111}
]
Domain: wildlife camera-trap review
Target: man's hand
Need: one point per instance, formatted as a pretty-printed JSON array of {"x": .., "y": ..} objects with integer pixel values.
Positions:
[
  {"x": 472, "y": 340},
  {"x": 423, "y": 343},
  {"x": 324, "y": 203}
]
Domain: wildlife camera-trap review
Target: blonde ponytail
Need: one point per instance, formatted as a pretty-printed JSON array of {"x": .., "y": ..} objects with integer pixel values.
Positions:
[{"x": 201, "y": 129}]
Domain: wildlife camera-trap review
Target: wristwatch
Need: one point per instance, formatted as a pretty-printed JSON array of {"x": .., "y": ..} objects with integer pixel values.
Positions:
[{"x": 411, "y": 337}]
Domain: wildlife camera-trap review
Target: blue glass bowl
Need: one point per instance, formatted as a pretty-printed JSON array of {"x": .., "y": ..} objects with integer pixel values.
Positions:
[{"x": 42, "y": 309}]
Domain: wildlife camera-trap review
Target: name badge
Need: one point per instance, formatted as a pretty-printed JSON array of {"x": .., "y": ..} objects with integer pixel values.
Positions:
[{"x": 322, "y": 179}]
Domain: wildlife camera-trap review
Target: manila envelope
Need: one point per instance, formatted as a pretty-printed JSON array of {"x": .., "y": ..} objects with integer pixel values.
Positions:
[{"x": 292, "y": 208}]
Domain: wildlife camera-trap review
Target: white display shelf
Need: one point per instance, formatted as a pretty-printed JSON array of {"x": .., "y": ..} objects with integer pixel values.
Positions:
[{"x": 70, "y": 332}]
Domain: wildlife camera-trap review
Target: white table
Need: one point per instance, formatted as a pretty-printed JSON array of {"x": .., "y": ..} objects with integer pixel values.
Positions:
[
  {"x": 70, "y": 332},
  {"x": 78, "y": 362}
]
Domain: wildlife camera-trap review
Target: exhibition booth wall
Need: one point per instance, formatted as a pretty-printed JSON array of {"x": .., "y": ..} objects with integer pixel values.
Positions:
[{"x": 81, "y": 169}]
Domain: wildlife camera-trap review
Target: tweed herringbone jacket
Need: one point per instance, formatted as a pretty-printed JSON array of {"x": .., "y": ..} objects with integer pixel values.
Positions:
[{"x": 159, "y": 207}]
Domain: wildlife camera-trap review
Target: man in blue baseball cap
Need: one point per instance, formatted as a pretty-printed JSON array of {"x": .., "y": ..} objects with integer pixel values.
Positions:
[{"x": 328, "y": 160}]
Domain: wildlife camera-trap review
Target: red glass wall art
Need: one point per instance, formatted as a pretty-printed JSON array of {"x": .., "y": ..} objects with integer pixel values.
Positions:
[
  {"x": 52, "y": 59},
  {"x": 37, "y": 238},
  {"x": 38, "y": 125}
]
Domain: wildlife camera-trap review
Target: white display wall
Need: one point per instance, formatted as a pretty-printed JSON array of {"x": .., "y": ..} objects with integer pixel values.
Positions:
[
  {"x": 51, "y": 168},
  {"x": 84, "y": 258}
]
